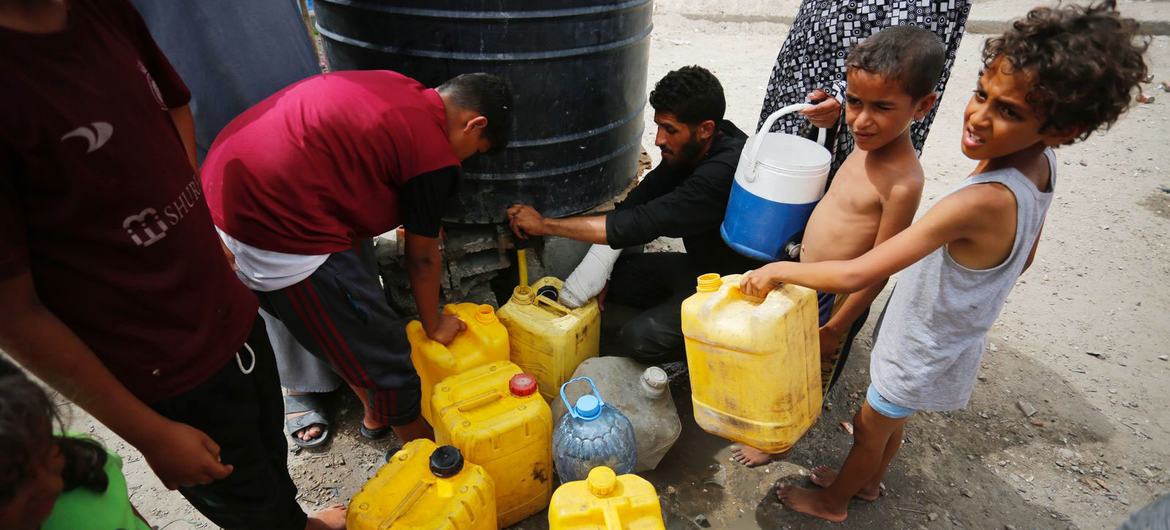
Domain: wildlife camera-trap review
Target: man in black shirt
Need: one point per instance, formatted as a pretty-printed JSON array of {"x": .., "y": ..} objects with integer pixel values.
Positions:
[{"x": 685, "y": 196}]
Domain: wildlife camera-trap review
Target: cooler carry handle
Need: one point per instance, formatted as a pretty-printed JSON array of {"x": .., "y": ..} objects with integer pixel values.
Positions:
[{"x": 758, "y": 140}]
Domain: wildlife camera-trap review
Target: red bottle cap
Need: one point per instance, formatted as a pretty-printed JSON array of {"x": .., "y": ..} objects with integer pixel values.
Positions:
[{"x": 522, "y": 385}]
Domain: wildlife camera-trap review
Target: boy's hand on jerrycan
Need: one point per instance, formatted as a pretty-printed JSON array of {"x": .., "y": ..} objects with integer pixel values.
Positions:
[
  {"x": 825, "y": 110},
  {"x": 758, "y": 283},
  {"x": 448, "y": 328},
  {"x": 183, "y": 456}
]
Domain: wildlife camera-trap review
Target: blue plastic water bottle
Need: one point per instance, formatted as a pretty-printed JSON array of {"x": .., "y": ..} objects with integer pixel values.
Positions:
[{"x": 592, "y": 434}]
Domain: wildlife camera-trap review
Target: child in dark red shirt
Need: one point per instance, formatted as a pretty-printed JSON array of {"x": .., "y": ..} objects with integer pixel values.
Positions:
[{"x": 116, "y": 291}]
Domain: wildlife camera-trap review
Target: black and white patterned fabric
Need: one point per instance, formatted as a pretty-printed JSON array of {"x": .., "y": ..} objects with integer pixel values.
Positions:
[{"x": 813, "y": 55}]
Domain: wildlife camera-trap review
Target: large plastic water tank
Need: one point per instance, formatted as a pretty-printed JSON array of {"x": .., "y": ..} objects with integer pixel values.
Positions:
[{"x": 577, "y": 69}]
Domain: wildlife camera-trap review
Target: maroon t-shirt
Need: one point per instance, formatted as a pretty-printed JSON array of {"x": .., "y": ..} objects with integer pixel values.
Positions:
[
  {"x": 99, "y": 202},
  {"x": 330, "y": 159}
]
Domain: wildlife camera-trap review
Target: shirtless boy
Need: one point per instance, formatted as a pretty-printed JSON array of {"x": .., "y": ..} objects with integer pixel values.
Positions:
[
  {"x": 891, "y": 78},
  {"x": 960, "y": 261}
]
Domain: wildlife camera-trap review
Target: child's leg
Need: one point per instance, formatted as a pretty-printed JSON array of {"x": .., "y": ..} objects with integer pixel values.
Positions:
[
  {"x": 824, "y": 476},
  {"x": 871, "y": 453},
  {"x": 340, "y": 314}
]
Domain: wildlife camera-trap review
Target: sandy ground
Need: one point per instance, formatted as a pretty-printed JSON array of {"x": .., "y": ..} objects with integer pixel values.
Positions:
[{"x": 1083, "y": 339}]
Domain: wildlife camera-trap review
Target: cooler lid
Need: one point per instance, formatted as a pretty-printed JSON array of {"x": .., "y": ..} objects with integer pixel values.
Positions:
[{"x": 786, "y": 151}]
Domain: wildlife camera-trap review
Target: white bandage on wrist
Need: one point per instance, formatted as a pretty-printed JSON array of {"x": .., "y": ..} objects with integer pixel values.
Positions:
[{"x": 589, "y": 278}]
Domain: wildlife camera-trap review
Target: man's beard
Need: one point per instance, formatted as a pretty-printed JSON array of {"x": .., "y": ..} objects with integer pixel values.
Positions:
[{"x": 687, "y": 157}]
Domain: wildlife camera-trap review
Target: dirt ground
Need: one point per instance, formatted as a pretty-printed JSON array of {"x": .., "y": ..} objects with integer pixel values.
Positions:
[{"x": 1083, "y": 339}]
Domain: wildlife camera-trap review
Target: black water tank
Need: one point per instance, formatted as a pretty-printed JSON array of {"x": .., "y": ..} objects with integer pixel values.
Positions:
[{"x": 577, "y": 68}]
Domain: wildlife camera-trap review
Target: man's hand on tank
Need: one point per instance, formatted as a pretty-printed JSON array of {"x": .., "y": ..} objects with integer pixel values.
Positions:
[
  {"x": 825, "y": 111},
  {"x": 525, "y": 221},
  {"x": 448, "y": 328}
]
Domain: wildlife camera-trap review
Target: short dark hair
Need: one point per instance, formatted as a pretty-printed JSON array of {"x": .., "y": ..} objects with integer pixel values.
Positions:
[
  {"x": 691, "y": 93},
  {"x": 910, "y": 55},
  {"x": 488, "y": 95},
  {"x": 1086, "y": 63}
]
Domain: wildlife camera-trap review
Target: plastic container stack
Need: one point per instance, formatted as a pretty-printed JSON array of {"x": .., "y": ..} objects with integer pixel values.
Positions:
[
  {"x": 484, "y": 341},
  {"x": 495, "y": 417},
  {"x": 642, "y": 394},
  {"x": 549, "y": 340}
]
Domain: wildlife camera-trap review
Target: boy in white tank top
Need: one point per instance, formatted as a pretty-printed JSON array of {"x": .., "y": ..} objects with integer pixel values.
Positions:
[
  {"x": 891, "y": 78},
  {"x": 963, "y": 257}
]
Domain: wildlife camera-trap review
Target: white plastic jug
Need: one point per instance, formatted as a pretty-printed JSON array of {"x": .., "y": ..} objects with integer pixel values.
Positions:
[
  {"x": 641, "y": 393},
  {"x": 778, "y": 182}
]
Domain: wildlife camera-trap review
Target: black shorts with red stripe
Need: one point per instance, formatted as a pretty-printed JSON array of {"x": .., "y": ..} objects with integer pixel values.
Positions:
[{"x": 340, "y": 314}]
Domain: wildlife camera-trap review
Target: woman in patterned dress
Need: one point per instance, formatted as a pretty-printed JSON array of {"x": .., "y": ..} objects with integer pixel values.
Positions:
[{"x": 813, "y": 57}]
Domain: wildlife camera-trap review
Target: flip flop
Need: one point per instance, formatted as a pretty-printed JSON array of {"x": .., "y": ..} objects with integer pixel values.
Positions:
[
  {"x": 374, "y": 434},
  {"x": 310, "y": 405}
]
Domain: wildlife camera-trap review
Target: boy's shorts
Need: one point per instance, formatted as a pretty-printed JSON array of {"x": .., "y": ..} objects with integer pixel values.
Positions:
[
  {"x": 884, "y": 407},
  {"x": 340, "y": 314}
]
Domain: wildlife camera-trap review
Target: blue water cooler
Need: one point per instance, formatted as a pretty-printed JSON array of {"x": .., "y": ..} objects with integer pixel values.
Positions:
[{"x": 778, "y": 182}]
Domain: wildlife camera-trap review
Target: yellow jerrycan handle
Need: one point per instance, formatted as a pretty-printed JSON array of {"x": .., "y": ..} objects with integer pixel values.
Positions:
[
  {"x": 542, "y": 299},
  {"x": 735, "y": 290},
  {"x": 476, "y": 402}
]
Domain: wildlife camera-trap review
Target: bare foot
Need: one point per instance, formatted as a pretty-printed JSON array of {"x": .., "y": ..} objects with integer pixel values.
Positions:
[
  {"x": 752, "y": 457},
  {"x": 824, "y": 476},
  {"x": 814, "y": 503},
  {"x": 331, "y": 518}
]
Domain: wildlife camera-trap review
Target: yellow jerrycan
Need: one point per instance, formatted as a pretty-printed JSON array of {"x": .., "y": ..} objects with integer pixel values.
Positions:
[
  {"x": 754, "y": 364},
  {"x": 548, "y": 339},
  {"x": 485, "y": 340},
  {"x": 424, "y": 487},
  {"x": 494, "y": 416},
  {"x": 604, "y": 501}
]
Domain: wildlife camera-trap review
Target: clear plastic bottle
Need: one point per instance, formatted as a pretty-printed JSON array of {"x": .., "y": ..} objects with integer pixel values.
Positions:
[
  {"x": 642, "y": 394},
  {"x": 592, "y": 434}
]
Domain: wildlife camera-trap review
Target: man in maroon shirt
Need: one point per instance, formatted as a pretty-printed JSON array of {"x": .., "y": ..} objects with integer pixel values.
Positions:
[
  {"x": 115, "y": 288},
  {"x": 300, "y": 183}
]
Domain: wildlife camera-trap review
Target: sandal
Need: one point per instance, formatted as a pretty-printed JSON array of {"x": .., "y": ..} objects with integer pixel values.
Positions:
[
  {"x": 374, "y": 434},
  {"x": 312, "y": 409}
]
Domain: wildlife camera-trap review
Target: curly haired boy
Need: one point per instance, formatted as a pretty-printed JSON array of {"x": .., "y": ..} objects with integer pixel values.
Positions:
[{"x": 1052, "y": 79}]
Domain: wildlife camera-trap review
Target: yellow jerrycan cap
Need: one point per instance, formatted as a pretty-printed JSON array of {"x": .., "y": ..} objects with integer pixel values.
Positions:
[{"x": 601, "y": 481}]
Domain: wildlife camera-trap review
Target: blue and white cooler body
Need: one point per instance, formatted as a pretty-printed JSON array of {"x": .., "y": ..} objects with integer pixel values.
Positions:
[{"x": 778, "y": 182}]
